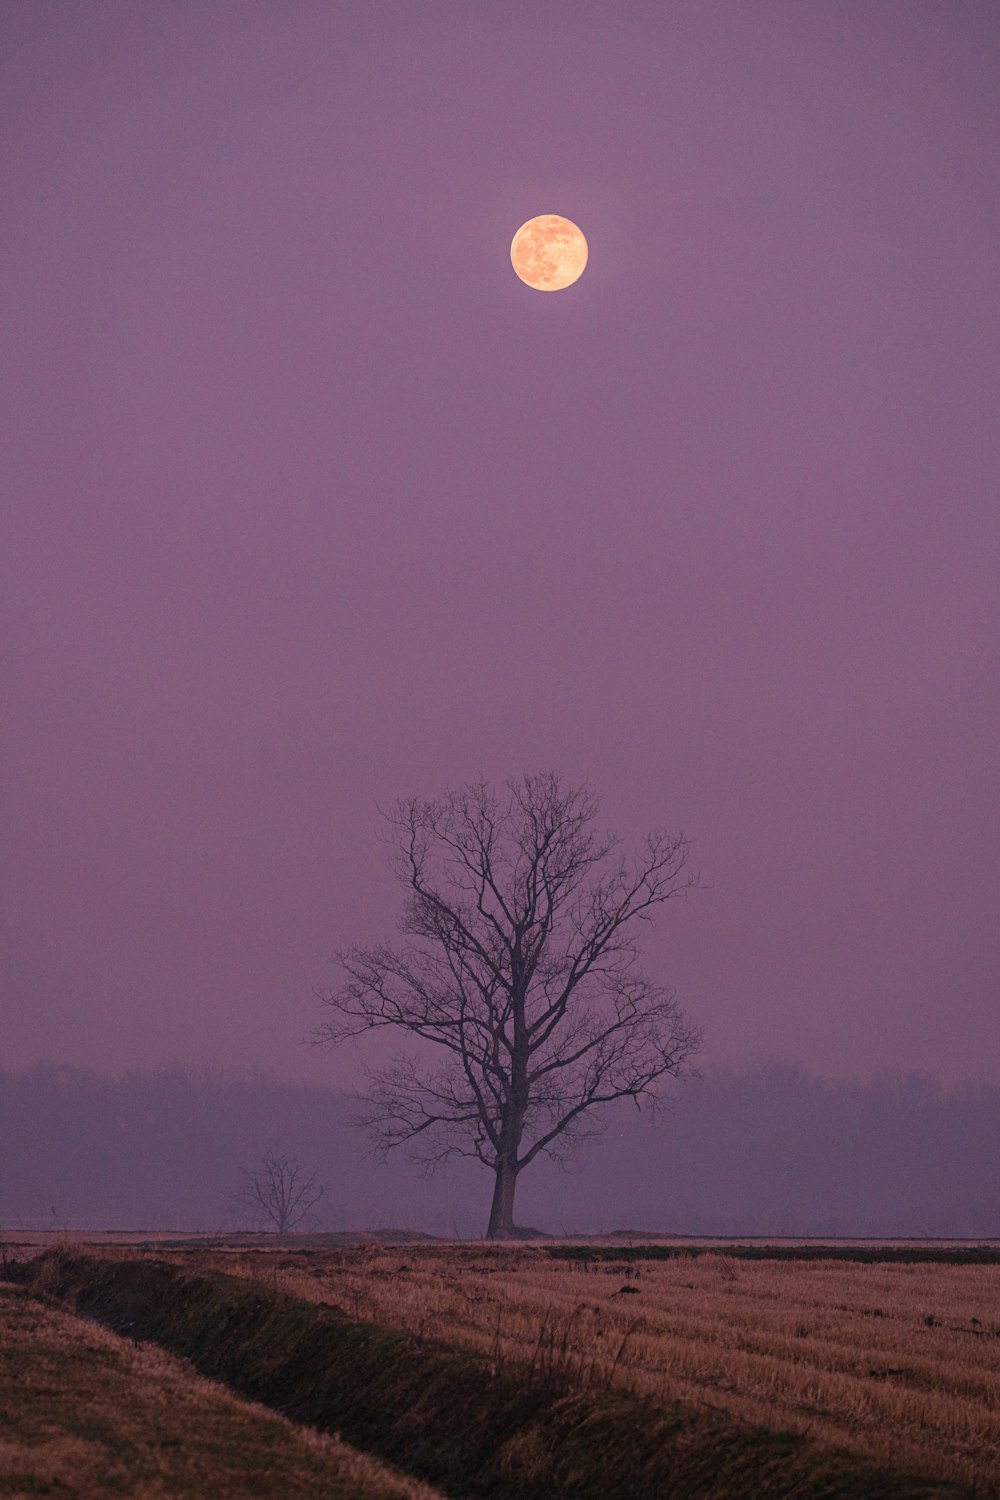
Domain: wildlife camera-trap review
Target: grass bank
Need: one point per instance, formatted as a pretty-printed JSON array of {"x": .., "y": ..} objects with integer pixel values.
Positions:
[
  {"x": 453, "y": 1417},
  {"x": 86, "y": 1414}
]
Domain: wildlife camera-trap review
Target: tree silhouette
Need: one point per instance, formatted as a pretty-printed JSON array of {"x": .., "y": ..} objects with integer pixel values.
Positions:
[
  {"x": 281, "y": 1191},
  {"x": 522, "y": 969}
]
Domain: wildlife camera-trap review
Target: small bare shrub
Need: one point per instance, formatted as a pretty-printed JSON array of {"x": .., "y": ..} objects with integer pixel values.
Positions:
[{"x": 280, "y": 1192}]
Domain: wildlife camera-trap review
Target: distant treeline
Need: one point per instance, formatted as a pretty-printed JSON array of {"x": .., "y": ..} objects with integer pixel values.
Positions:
[{"x": 773, "y": 1150}]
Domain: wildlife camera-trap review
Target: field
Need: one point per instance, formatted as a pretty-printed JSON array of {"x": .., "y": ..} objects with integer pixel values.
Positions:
[
  {"x": 901, "y": 1361},
  {"x": 85, "y": 1414},
  {"x": 897, "y": 1363}
]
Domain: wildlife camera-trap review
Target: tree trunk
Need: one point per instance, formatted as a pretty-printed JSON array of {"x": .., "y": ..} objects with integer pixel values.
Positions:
[{"x": 502, "y": 1210}]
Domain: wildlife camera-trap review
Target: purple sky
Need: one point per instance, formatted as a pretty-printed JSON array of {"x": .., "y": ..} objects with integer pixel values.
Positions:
[{"x": 309, "y": 502}]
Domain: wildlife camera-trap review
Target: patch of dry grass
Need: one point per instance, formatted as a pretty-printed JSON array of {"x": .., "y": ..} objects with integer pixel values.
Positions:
[
  {"x": 897, "y": 1361},
  {"x": 87, "y": 1415}
]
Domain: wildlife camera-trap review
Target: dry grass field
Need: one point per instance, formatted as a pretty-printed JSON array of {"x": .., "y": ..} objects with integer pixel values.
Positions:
[
  {"x": 86, "y": 1415},
  {"x": 898, "y": 1361}
]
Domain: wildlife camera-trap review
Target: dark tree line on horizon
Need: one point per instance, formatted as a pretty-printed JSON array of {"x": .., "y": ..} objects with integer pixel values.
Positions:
[{"x": 769, "y": 1149}]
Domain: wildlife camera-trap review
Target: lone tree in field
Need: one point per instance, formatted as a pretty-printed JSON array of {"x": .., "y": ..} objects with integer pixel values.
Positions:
[
  {"x": 280, "y": 1192},
  {"x": 521, "y": 969}
]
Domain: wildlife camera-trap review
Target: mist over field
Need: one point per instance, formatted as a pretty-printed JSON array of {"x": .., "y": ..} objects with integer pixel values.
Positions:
[{"x": 770, "y": 1150}]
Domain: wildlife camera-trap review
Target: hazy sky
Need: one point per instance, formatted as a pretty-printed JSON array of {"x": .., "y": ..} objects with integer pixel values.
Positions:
[{"x": 309, "y": 502}]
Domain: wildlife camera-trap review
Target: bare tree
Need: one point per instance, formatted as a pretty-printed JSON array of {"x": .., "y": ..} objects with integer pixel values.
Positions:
[
  {"x": 280, "y": 1191},
  {"x": 522, "y": 969}
]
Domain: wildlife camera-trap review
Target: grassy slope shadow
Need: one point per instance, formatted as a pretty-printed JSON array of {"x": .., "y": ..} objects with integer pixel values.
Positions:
[
  {"x": 445, "y": 1415},
  {"x": 868, "y": 1255}
]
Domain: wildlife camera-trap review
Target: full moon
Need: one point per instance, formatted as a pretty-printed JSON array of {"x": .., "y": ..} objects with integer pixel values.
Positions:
[{"x": 549, "y": 253}]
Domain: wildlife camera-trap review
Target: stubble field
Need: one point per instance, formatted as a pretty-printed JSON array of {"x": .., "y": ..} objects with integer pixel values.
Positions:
[{"x": 899, "y": 1361}]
